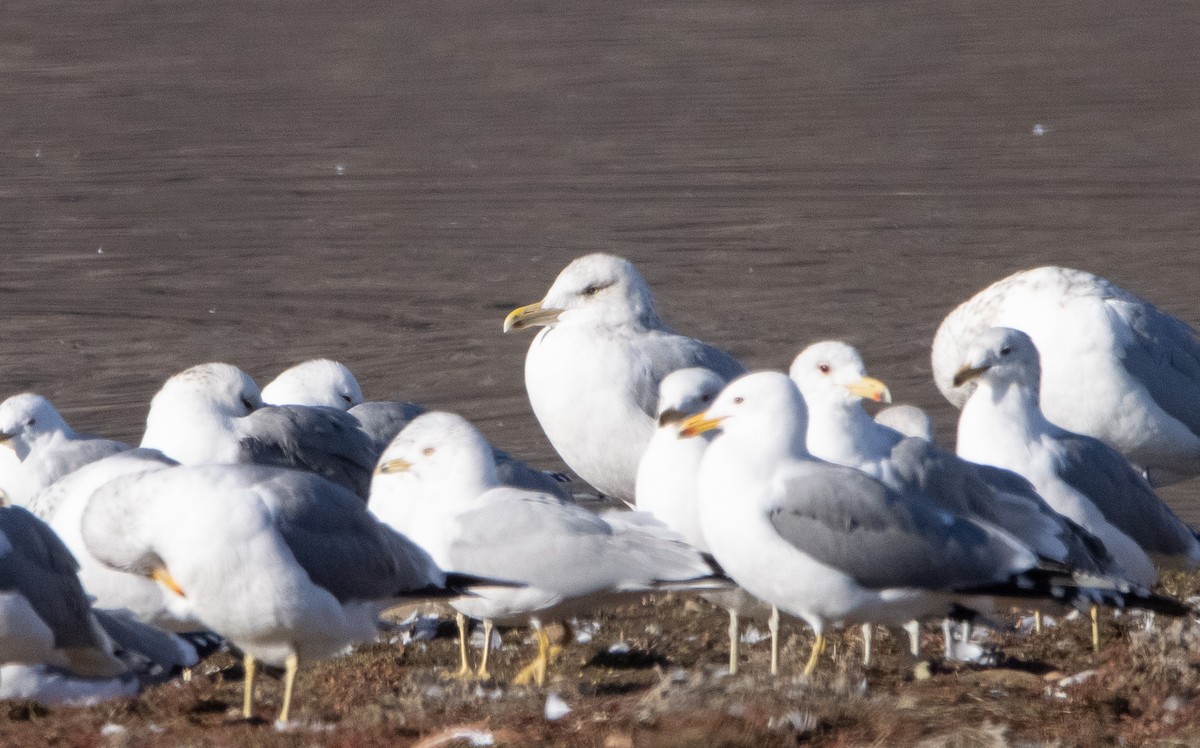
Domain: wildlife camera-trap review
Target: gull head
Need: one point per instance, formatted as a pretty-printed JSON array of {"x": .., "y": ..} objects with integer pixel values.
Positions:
[
  {"x": 442, "y": 451},
  {"x": 318, "y": 381},
  {"x": 597, "y": 289},
  {"x": 763, "y": 410},
  {"x": 1001, "y": 356},
  {"x": 833, "y": 372},
  {"x": 685, "y": 392},
  {"x": 221, "y": 388},
  {"x": 26, "y": 418}
]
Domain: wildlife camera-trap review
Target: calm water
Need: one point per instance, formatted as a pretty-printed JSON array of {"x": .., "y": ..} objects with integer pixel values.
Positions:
[{"x": 265, "y": 182}]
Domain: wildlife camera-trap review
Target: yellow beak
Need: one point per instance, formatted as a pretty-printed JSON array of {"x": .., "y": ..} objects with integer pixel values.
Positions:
[
  {"x": 164, "y": 577},
  {"x": 698, "y": 424},
  {"x": 870, "y": 388},
  {"x": 530, "y": 316},
  {"x": 393, "y": 466}
]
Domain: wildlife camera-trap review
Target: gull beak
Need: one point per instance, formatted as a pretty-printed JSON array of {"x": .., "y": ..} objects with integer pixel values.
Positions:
[
  {"x": 870, "y": 388},
  {"x": 530, "y": 316},
  {"x": 698, "y": 424},
  {"x": 6, "y": 439},
  {"x": 967, "y": 373},
  {"x": 162, "y": 576},
  {"x": 670, "y": 415},
  {"x": 393, "y": 466}
]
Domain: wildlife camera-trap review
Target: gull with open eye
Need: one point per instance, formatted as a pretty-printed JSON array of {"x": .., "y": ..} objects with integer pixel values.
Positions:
[
  {"x": 437, "y": 484},
  {"x": 592, "y": 372}
]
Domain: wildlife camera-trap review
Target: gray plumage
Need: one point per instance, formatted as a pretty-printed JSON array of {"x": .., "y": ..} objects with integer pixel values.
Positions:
[{"x": 321, "y": 440}]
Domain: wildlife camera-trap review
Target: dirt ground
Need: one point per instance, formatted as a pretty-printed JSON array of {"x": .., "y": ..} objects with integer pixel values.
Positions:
[{"x": 262, "y": 183}]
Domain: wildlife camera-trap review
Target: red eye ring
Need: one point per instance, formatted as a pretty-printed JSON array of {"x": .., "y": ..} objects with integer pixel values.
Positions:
[
  {"x": 824, "y": 368},
  {"x": 428, "y": 451}
]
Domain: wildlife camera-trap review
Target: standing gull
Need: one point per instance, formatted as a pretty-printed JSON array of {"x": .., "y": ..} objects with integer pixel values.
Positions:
[
  {"x": 284, "y": 564},
  {"x": 1082, "y": 478},
  {"x": 592, "y": 374},
  {"x": 1114, "y": 366},
  {"x": 441, "y": 471}
]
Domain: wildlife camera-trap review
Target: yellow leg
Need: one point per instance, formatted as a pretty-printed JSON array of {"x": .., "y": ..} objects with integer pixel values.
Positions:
[
  {"x": 817, "y": 649},
  {"x": 866, "y": 634},
  {"x": 289, "y": 679},
  {"x": 465, "y": 667},
  {"x": 536, "y": 670},
  {"x": 733, "y": 642},
  {"x": 487, "y": 648},
  {"x": 1095, "y": 628},
  {"x": 773, "y": 627},
  {"x": 248, "y": 685},
  {"x": 187, "y": 675},
  {"x": 1037, "y": 621}
]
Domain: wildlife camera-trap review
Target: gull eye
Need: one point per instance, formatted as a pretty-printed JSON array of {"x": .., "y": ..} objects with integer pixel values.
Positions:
[
  {"x": 591, "y": 290},
  {"x": 31, "y": 422},
  {"x": 347, "y": 398},
  {"x": 1005, "y": 350},
  {"x": 706, "y": 398},
  {"x": 428, "y": 451},
  {"x": 739, "y": 400},
  {"x": 246, "y": 401},
  {"x": 824, "y": 368}
]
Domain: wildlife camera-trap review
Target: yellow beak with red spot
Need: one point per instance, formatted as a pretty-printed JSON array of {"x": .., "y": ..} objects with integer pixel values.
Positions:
[
  {"x": 870, "y": 388},
  {"x": 698, "y": 424}
]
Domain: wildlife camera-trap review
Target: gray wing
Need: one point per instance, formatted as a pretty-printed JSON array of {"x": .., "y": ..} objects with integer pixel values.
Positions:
[
  {"x": 321, "y": 440},
  {"x": 999, "y": 497},
  {"x": 513, "y": 472},
  {"x": 382, "y": 420},
  {"x": 661, "y": 353},
  {"x": 152, "y": 653},
  {"x": 1162, "y": 353},
  {"x": 341, "y": 546},
  {"x": 40, "y": 568},
  {"x": 540, "y": 541},
  {"x": 1123, "y": 496},
  {"x": 851, "y": 522}
]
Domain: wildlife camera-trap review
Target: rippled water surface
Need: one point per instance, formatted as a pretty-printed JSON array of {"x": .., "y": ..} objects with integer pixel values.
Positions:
[{"x": 381, "y": 182}]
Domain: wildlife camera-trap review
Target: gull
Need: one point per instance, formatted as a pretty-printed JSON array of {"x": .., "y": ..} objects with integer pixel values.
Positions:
[
  {"x": 1114, "y": 366},
  {"x": 666, "y": 488},
  {"x": 908, "y": 420},
  {"x": 47, "y": 447},
  {"x": 831, "y": 544},
  {"x": 213, "y": 414},
  {"x": 286, "y": 565},
  {"x": 440, "y": 469},
  {"x": 593, "y": 372},
  {"x": 1081, "y": 477},
  {"x": 318, "y": 381}
]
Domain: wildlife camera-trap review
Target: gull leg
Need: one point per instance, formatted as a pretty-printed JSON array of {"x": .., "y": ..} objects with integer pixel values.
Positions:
[
  {"x": 817, "y": 648},
  {"x": 913, "y": 628},
  {"x": 186, "y": 675},
  {"x": 1037, "y": 621},
  {"x": 464, "y": 668},
  {"x": 483, "y": 673},
  {"x": 536, "y": 671},
  {"x": 289, "y": 679},
  {"x": 866, "y": 634},
  {"x": 947, "y": 639},
  {"x": 733, "y": 641},
  {"x": 773, "y": 627},
  {"x": 1095, "y": 628},
  {"x": 247, "y": 685}
]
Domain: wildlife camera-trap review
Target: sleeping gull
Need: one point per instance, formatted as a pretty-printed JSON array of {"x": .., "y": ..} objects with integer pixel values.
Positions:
[
  {"x": 318, "y": 381},
  {"x": 47, "y": 447},
  {"x": 908, "y": 420},
  {"x": 592, "y": 374},
  {"x": 569, "y": 558},
  {"x": 1082, "y": 478},
  {"x": 286, "y": 565},
  {"x": 213, "y": 414},
  {"x": 1114, "y": 366},
  {"x": 832, "y": 545},
  {"x": 666, "y": 488}
]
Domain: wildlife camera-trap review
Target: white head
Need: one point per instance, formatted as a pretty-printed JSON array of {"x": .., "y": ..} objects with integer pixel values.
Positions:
[
  {"x": 595, "y": 289},
  {"x": 222, "y": 387},
  {"x": 832, "y": 372},
  {"x": 26, "y": 419},
  {"x": 762, "y": 410},
  {"x": 318, "y": 381},
  {"x": 686, "y": 392},
  {"x": 442, "y": 451},
  {"x": 1002, "y": 358},
  {"x": 908, "y": 420}
]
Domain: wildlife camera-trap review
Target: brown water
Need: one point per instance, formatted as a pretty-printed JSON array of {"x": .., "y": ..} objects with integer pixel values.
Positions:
[{"x": 381, "y": 182}]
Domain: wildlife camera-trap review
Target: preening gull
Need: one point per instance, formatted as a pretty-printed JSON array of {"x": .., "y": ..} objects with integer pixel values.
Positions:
[
  {"x": 284, "y": 564},
  {"x": 666, "y": 488},
  {"x": 47, "y": 447},
  {"x": 1114, "y": 366},
  {"x": 830, "y": 544},
  {"x": 213, "y": 414},
  {"x": 592, "y": 374},
  {"x": 569, "y": 558},
  {"x": 318, "y": 381},
  {"x": 1082, "y": 478}
]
